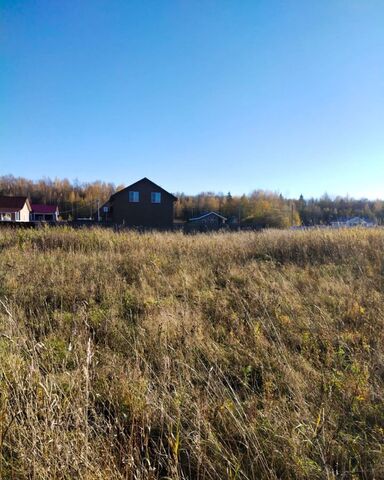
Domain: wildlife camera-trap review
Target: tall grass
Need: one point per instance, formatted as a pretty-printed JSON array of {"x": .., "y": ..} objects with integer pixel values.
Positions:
[{"x": 225, "y": 356}]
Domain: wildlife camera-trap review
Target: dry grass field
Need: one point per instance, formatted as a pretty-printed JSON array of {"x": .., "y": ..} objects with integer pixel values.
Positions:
[{"x": 165, "y": 356}]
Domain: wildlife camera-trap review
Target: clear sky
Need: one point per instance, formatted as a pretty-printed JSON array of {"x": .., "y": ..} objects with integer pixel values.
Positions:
[{"x": 197, "y": 95}]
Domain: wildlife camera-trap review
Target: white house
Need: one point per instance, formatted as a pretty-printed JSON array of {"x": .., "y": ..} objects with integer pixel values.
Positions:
[
  {"x": 352, "y": 222},
  {"x": 14, "y": 209}
]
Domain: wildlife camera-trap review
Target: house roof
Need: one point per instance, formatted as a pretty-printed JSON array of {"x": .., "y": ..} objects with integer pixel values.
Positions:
[
  {"x": 13, "y": 204},
  {"x": 207, "y": 215},
  {"x": 146, "y": 180},
  {"x": 44, "y": 209},
  {"x": 356, "y": 219}
]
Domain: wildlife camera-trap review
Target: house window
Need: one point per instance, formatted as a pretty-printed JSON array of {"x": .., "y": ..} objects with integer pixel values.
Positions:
[
  {"x": 105, "y": 209},
  {"x": 17, "y": 216},
  {"x": 156, "y": 197},
  {"x": 134, "y": 196}
]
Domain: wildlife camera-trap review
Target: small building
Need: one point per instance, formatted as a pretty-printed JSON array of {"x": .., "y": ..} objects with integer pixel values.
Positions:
[
  {"x": 352, "y": 222},
  {"x": 142, "y": 204},
  {"x": 44, "y": 213},
  {"x": 14, "y": 209},
  {"x": 358, "y": 221},
  {"x": 207, "y": 222}
]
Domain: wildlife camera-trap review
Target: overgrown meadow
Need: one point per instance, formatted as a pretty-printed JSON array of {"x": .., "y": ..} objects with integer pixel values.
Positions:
[{"x": 167, "y": 356}]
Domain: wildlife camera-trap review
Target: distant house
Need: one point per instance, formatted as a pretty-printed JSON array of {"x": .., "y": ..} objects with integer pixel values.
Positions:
[
  {"x": 142, "y": 204},
  {"x": 44, "y": 213},
  {"x": 14, "y": 209},
  {"x": 352, "y": 222},
  {"x": 356, "y": 221},
  {"x": 208, "y": 221}
]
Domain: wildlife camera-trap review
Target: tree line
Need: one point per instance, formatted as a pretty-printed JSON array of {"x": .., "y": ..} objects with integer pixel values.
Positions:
[{"x": 259, "y": 208}]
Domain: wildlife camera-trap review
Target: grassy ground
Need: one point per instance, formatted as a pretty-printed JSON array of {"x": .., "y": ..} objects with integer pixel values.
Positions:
[{"x": 226, "y": 356}]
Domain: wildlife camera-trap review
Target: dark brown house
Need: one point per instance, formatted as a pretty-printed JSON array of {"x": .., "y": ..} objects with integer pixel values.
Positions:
[{"x": 142, "y": 204}]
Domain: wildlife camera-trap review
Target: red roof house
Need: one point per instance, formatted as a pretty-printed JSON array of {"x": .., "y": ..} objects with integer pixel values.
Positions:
[{"x": 44, "y": 213}]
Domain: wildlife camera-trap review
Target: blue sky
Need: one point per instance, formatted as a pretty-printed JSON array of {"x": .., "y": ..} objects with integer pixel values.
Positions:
[{"x": 197, "y": 95}]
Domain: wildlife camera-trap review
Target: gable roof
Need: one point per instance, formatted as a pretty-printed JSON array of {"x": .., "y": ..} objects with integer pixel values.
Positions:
[
  {"x": 42, "y": 208},
  {"x": 207, "y": 215},
  {"x": 146, "y": 180},
  {"x": 356, "y": 220},
  {"x": 13, "y": 204}
]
